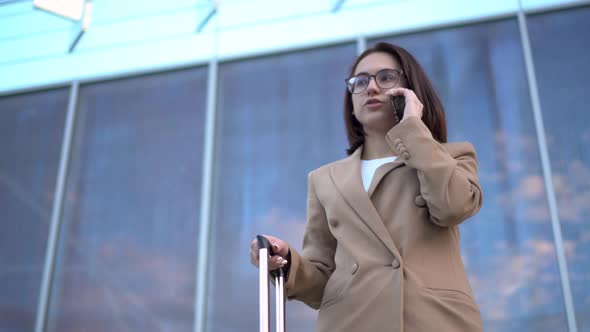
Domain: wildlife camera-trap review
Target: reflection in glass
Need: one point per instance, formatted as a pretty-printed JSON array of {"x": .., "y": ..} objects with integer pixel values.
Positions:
[
  {"x": 127, "y": 250},
  {"x": 560, "y": 44},
  {"x": 271, "y": 132},
  {"x": 508, "y": 247},
  {"x": 31, "y": 132}
]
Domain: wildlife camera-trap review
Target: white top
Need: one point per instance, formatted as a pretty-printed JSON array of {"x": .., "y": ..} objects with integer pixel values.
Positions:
[{"x": 368, "y": 168}]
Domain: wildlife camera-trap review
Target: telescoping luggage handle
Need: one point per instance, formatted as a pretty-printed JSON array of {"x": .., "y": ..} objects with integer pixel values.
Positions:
[{"x": 279, "y": 275}]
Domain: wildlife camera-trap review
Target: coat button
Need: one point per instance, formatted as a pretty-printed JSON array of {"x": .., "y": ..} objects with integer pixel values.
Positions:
[
  {"x": 333, "y": 223},
  {"x": 355, "y": 267},
  {"x": 397, "y": 141},
  {"x": 420, "y": 201},
  {"x": 395, "y": 264},
  {"x": 405, "y": 156}
]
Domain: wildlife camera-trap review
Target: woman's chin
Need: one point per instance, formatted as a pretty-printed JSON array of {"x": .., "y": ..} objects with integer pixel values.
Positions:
[
  {"x": 378, "y": 121},
  {"x": 381, "y": 128}
]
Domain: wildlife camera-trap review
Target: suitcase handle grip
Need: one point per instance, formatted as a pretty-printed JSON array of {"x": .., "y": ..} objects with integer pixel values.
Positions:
[{"x": 265, "y": 243}]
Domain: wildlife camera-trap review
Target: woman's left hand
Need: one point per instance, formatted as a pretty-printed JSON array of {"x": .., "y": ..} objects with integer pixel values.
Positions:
[{"x": 413, "y": 105}]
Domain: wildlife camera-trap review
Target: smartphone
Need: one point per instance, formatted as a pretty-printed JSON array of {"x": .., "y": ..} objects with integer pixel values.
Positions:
[{"x": 399, "y": 104}]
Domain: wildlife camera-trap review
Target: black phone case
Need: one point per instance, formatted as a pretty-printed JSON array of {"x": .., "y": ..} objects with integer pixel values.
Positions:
[{"x": 398, "y": 103}]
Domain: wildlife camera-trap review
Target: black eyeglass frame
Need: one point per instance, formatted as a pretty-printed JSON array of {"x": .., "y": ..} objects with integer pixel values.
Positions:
[{"x": 349, "y": 85}]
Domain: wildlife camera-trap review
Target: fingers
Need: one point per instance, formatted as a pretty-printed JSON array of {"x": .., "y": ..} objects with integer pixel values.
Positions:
[
  {"x": 401, "y": 92},
  {"x": 410, "y": 96},
  {"x": 254, "y": 252},
  {"x": 280, "y": 248},
  {"x": 413, "y": 105},
  {"x": 276, "y": 262},
  {"x": 254, "y": 258}
]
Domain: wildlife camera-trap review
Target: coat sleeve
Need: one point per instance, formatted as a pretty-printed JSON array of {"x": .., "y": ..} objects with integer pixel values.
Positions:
[
  {"x": 309, "y": 272},
  {"x": 447, "y": 174}
]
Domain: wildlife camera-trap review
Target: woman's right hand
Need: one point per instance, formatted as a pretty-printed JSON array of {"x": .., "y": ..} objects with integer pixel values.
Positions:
[{"x": 280, "y": 248}]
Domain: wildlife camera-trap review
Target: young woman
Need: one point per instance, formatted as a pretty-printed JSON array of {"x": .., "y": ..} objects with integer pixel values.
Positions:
[{"x": 381, "y": 248}]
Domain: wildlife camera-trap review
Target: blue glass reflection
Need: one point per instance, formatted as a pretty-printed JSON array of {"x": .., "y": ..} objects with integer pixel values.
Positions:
[
  {"x": 559, "y": 43},
  {"x": 508, "y": 246}
]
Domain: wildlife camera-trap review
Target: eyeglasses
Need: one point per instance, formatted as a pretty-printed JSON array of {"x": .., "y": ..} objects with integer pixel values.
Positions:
[{"x": 385, "y": 79}]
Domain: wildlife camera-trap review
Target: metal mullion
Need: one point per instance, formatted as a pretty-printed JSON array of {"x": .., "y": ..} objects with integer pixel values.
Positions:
[
  {"x": 361, "y": 44},
  {"x": 56, "y": 212},
  {"x": 208, "y": 165}
]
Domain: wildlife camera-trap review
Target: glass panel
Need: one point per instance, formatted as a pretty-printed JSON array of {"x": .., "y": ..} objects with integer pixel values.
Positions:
[
  {"x": 559, "y": 43},
  {"x": 279, "y": 118},
  {"x": 128, "y": 244},
  {"x": 508, "y": 247},
  {"x": 31, "y": 133}
]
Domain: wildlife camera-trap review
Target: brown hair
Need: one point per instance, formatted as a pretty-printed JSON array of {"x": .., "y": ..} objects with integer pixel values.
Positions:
[{"x": 433, "y": 113}]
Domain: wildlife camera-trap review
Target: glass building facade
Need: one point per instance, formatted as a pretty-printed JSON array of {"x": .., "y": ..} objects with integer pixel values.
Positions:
[{"x": 107, "y": 186}]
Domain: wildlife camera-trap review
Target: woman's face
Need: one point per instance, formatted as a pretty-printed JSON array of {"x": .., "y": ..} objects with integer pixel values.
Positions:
[{"x": 372, "y": 107}]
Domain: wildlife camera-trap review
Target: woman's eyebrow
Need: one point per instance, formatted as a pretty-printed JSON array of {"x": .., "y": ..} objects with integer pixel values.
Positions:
[{"x": 364, "y": 72}]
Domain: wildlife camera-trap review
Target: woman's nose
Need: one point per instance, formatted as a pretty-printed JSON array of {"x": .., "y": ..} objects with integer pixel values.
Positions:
[{"x": 373, "y": 87}]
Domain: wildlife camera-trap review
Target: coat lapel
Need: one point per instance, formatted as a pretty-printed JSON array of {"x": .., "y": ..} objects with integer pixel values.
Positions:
[
  {"x": 347, "y": 177},
  {"x": 381, "y": 172}
]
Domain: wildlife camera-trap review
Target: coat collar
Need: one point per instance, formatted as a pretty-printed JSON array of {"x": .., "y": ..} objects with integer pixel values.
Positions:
[
  {"x": 346, "y": 174},
  {"x": 381, "y": 172}
]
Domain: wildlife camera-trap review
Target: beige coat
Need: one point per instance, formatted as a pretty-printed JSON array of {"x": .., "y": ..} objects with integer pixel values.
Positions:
[{"x": 389, "y": 259}]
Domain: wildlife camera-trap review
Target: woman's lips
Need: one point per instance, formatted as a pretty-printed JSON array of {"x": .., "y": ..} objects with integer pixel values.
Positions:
[{"x": 374, "y": 105}]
